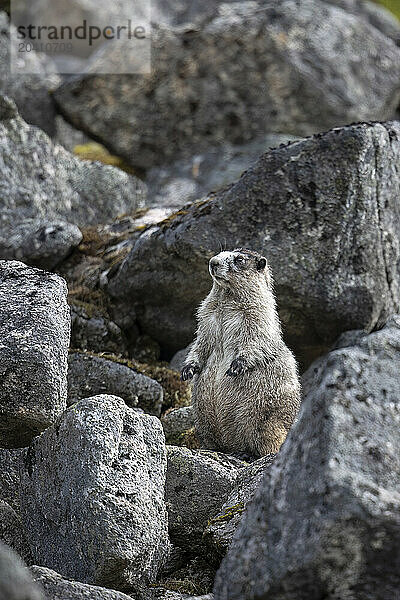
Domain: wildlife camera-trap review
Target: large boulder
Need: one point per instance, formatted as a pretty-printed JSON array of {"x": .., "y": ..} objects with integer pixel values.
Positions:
[
  {"x": 173, "y": 186},
  {"x": 326, "y": 523},
  {"x": 90, "y": 375},
  {"x": 40, "y": 180},
  {"x": 222, "y": 526},
  {"x": 374, "y": 14},
  {"x": 12, "y": 533},
  {"x": 198, "y": 483},
  {"x": 11, "y": 460},
  {"x": 56, "y": 587},
  {"x": 251, "y": 68},
  {"x": 91, "y": 330},
  {"x": 324, "y": 211},
  {"x": 35, "y": 329},
  {"x": 40, "y": 243},
  {"x": 15, "y": 581},
  {"x": 177, "y": 421},
  {"x": 92, "y": 495}
]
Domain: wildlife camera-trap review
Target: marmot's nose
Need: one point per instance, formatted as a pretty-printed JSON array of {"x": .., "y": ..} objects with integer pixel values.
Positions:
[{"x": 214, "y": 262}]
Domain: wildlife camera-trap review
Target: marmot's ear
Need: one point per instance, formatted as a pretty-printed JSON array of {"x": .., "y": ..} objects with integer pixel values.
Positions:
[{"x": 261, "y": 264}]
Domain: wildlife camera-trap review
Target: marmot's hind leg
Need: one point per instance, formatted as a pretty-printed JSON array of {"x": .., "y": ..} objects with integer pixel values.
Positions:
[{"x": 205, "y": 437}]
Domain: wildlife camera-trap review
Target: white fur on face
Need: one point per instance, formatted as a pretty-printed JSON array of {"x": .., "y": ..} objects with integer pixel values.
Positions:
[
  {"x": 225, "y": 264},
  {"x": 224, "y": 260}
]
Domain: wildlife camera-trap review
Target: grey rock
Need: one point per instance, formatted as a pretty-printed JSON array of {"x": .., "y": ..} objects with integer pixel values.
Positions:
[
  {"x": 15, "y": 581},
  {"x": 92, "y": 495},
  {"x": 221, "y": 528},
  {"x": 169, "y": 12},
  {"x": 195, "y": 576},
  {"x": 10, "y": 466},
  {"x": 11, "y": 531},
  {"x": 93, "y": 331},
  {"x": 186, "y": 12},
  {"x": 40, "y": 243},
  {"x": 187, "y": 180},
  {"x": 177, "y": 421},
  {"x": 176, "y": 362},
  {"x": 252, "y": 68},
  {"x": 29, "y": 82},
  {"x": 376, "y": 15},
  {"x": 325, "y": 213},
  {"x": 58, "y": 588},
  {"x": 326, "y": 523},
  {"x": 91, "y": 375},
  {"x": 35, "y": 326},
  {"x": 40, "y": 180},
  {"x": 67, "y": 136},
  {"x": 197, "y": 485}
]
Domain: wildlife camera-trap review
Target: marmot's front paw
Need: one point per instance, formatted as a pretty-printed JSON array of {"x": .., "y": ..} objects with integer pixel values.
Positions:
[
  {"x": 238, "y": 366},
  {"x": 189, "y": 371}
]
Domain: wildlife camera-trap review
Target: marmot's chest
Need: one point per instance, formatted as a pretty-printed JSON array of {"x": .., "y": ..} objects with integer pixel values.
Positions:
[{"x": 224, "y": 327}]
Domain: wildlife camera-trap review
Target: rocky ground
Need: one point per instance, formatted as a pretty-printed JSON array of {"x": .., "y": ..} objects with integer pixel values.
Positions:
[{"x": 104, "y": 491}]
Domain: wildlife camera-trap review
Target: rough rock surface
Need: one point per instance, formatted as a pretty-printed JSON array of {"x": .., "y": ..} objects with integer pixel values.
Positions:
[
  {"x": 172, "y": 186},
  {"x": 67, "y": 136},
  {"x": 35, "y": 328},
  {"x": 11, "y": 531},
  {"x": 327, "y": 521},
  {"x": 374, "y": 14},
  {"x": 325, "y": 213},
  {"x": 10, "y": 466},
  {"x": 221, "y": 528},
  {"x": 177, "y": 421},
  {"x": 43, "y": 180},
  {"x": 92, "y": 331},
  {"x": 92, "y": 495},
  {"x": 91, "y": 375},
  {"x": 15, "y": 581},
  {"x": 252, "y": 68},
  {"x": 40, "y": 243},
  {"x": 58, "y": 588},
  {"x": 198, "y": 483},
  {"x": 31, "y": 92}
]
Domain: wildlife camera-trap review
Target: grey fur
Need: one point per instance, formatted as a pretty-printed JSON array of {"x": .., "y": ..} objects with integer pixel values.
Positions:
[{"x": 246, "y": 390}]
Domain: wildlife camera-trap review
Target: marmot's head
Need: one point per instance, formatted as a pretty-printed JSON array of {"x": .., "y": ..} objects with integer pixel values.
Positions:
[{"x": 239, "y": 267}]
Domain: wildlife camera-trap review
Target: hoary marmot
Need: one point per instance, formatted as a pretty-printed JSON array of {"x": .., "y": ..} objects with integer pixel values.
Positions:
[{"x": 246, "y": 390}]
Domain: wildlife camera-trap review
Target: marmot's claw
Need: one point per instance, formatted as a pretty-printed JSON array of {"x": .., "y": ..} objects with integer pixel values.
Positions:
[
  {"x": 237, "y": 367},
  {"x": 188, "y": 372}
]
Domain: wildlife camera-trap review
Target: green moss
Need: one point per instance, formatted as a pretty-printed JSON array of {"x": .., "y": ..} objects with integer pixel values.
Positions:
[
  {"x": 187, "y": 439},
  {"x": 392, "y": 5},
  {"x": 229, "y": 513},
  {"x": 97, "y": 152}
]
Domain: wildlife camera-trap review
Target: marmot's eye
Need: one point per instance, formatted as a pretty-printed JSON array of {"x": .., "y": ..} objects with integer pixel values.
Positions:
[{"x": 239, "y": 259}]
